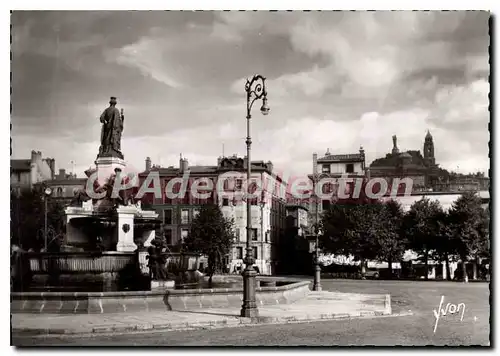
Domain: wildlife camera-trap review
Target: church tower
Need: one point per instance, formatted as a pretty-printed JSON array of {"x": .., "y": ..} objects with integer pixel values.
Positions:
[{"x": 429, "y": 150}]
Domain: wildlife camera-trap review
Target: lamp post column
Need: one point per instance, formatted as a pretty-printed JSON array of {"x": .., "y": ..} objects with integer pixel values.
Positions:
[
  {"x": 45, "y": 198},
  {"x": 317, "y": 267},
  {"x": 255, "y": 89},
  {"x": 47, "y": 192}
]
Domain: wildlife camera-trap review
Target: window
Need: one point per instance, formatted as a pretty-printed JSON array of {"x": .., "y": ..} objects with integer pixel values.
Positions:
[
  {"x": 267, "y": 236},
  {"x": 255, "y": 250},
  {"x": 237, "y": 234},
  {"x": 349, "y": 168},
  {"x": 239, "y": 253},
  {"x": 196, "y": 212},
  {"x": 167, "y": 216},
  {"x": 59, "y": 192},
  {"x": 225, "y": 202},
  {"x": 184, "y": 234},
  {"x": 168, "y": 236},
  {"x": 325, "y": 168},
  {"x": 239, "y": 183},
  {"x": 325, "y": 205},
  {"x": 185, "y": 216},
  {"x": 254, "y": 234}
]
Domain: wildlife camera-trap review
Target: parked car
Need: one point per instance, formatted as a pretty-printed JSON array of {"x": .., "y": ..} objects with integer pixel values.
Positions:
[{"x": 372, "y": 273}]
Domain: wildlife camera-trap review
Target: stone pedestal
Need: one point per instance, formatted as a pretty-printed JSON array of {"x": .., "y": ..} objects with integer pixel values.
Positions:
[
  {"x": 126, "y": 228},
  {"x": 106, "y": 167},
  {"x": 76, "y": 236}
]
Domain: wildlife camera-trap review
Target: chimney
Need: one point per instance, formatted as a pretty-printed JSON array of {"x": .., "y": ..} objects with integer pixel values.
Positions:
[
  {"x": 183, "y": 165},
  {"x": 245, "y": 162},
  {"x": 219, "y": 161},
  {"x": 148, "y": 164},
  {"x": 362, "y": 153},
  {"x": 62, "y": 173},
  {"x": 52, "y": 163},
  {"x": 315, "y": 163},
  {"x": 34, "y": 156}
]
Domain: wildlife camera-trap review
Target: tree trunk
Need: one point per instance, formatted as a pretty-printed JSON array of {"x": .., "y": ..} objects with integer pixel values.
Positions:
[
  {"x": 363, "y": 268},
  {"x": 211, "y": 269},
  {"x": 448, "y": 274},
  {"x": 390, "y": 268},
  {"x": 426, "y": 262},
  {"x": 465, "y": 277},
  {"x": 474, "y": 269}
]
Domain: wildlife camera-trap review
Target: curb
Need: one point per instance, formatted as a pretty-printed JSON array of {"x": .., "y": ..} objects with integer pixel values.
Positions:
[{"x": 237, "y": 322}]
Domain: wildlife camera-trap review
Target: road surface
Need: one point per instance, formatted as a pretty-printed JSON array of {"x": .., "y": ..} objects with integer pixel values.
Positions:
[{"x": 419, "y": 297}]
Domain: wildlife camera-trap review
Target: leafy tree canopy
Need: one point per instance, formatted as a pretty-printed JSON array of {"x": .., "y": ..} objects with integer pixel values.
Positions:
[
  {"x": 27, "y": 215},
  {"x": 469, "y": 225},
  {"x": 212, "y": 235}
]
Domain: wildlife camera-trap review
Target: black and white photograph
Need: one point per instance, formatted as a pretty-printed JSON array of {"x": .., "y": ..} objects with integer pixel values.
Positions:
[{"x": 250, "y": 178}]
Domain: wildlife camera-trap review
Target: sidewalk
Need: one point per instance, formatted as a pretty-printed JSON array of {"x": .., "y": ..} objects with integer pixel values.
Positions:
[{"x": 317, "y": 306}]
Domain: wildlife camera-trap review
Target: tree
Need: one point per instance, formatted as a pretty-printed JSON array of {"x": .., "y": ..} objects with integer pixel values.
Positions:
[
  {"x": 27, "y": 216},
  {"x": 421, "y": 228},
  {"x": 444, "y": 248},
  {"x": 485, "y": 230},
  {"x": 468, "y": 222},
  {"x": 212, "y": 235},
  {"x": 351, "y": 226},
  {"x": 391, "y": 241}
]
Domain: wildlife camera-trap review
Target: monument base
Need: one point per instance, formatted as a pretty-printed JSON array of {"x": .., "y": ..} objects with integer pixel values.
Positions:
[
  {"x": 106, "y": 167},
  {"x": 126, "y": 228}
]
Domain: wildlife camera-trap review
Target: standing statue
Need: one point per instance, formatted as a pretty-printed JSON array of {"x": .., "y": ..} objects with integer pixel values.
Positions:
[
  {"x": 395, "y": 149},
  {"x": 111, "y": 132}
]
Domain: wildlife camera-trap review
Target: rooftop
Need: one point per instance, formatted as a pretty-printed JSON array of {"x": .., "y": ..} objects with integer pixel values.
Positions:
[
  {"x": 67, "y": 181},
  {"x": 20, "y": 164},
  {"x": 352, "y": 157}
]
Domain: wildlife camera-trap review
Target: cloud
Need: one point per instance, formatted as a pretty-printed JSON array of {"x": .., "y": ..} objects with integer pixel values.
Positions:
[
  {"x": 309, "y": 83},
  {"x": 144, "y": 56}
]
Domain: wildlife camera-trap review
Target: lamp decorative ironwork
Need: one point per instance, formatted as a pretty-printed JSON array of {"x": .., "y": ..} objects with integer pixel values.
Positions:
[{"x": 255, "y": 89}]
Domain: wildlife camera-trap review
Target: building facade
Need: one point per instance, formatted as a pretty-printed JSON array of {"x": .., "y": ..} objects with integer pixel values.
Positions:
[
  {"x": 351, "y": 166},
  {"x": 294, "y": 255},
  {"x": 64, "y": 186},
  {"x": 268, "y": 211},
  {"x": 25, "y": 173}
]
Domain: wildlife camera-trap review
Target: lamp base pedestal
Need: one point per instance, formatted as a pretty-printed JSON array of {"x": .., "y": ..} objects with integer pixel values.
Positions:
[
  {"x": 317, "y": 278},
  {"x": 249, "y": 307}
]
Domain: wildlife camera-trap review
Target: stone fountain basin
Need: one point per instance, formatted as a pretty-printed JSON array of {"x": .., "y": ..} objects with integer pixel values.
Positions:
[
  {"x": 185, "y": 299},
  {"x": 95, "y": 271}
]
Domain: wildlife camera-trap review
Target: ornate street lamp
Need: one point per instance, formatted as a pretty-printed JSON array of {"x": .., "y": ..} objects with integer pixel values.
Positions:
[
  {"x": 317, "y": 267},
  {"x": 256, "y": 90},
  {"x": 47, "y": 192}
]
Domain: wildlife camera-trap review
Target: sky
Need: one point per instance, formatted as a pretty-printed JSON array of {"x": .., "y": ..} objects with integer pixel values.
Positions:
[{"x": 335, "y": 80}]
